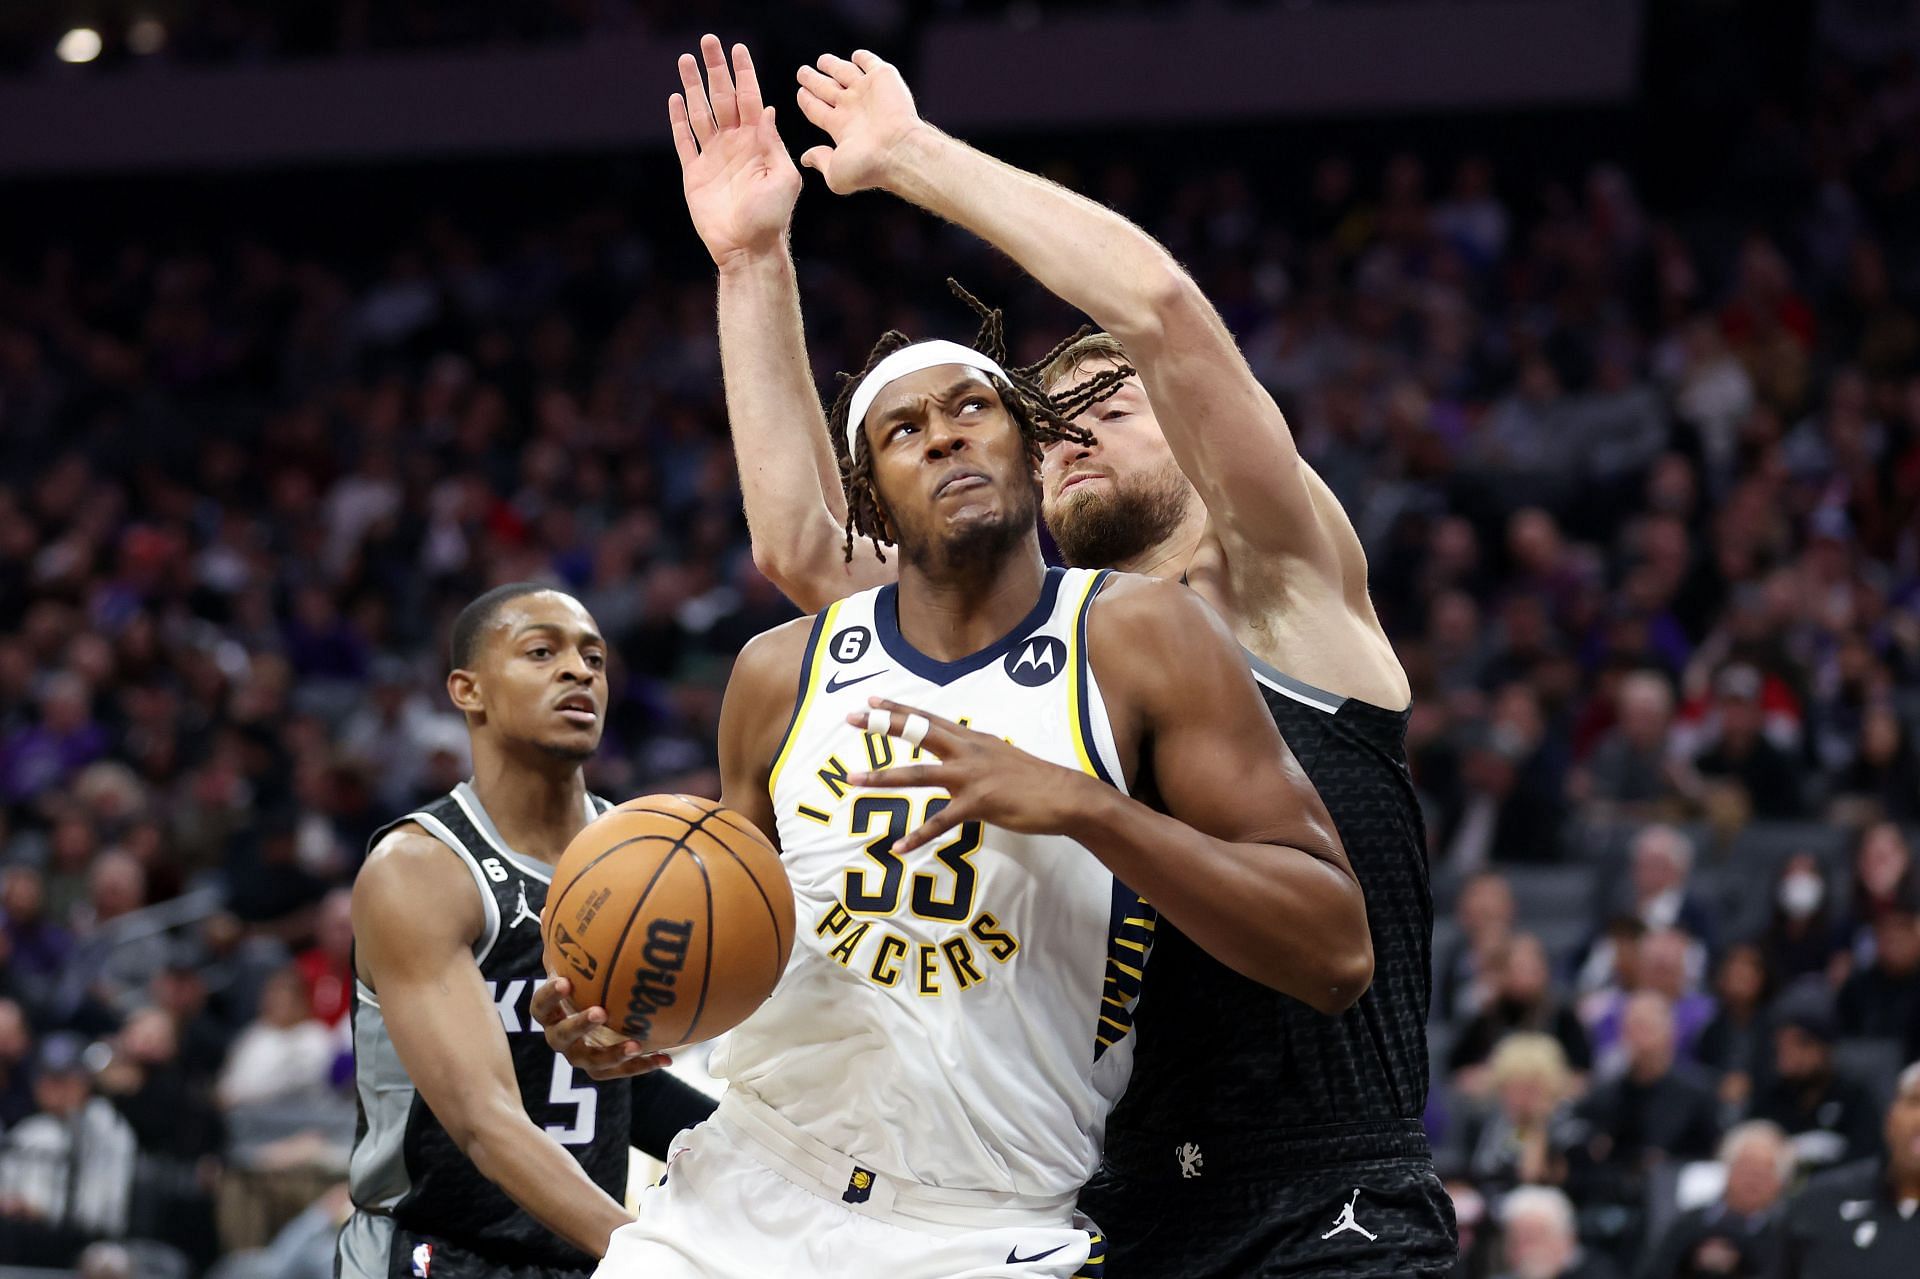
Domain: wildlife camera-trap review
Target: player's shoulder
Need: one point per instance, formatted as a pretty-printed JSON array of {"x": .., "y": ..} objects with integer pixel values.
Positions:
[
  {"x": 407, "y": 859},
  {"x": 1138, "y": 610},
  {"x": 777, "y": 651},
  {"x": 406, "y": 867}
]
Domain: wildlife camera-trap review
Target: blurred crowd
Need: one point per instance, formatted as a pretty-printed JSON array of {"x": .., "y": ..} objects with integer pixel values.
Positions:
[{"x": 1640, "y": 489}]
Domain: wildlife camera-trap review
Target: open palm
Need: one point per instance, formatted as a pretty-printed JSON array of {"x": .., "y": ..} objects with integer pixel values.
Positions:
[{"x": 740, "y": 183}]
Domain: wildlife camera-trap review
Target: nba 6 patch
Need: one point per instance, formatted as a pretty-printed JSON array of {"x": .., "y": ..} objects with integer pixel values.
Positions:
[
  {"x": 859, "y": 1187},
  {"x": 422, "y": 1260}
]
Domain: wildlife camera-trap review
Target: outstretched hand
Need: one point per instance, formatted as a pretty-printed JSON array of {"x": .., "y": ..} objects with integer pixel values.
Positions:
[
  {"x": 739, "y": 181},
  {"x": 989, "y": 779},
  {"x": 866, "y": 108}
]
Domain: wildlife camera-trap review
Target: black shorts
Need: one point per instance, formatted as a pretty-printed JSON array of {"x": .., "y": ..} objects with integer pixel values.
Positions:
[
  {"x": 373, "y": 1248},
  {"x": 1289, "y": 1209}
]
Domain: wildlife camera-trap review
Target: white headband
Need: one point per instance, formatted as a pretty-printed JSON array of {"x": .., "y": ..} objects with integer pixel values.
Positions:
[{"x": 910, "y": 359}]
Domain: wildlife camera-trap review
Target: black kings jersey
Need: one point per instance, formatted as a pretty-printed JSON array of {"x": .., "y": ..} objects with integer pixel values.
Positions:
[
  {"x": 406, "y": 1170},
  {"x": 1225, "y": 1067}
]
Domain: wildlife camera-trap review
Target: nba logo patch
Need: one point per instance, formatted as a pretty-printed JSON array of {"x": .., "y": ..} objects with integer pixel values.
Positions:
[
  {"x": 422, "y": 1260},
  {"x": 859, "y": 1187}
]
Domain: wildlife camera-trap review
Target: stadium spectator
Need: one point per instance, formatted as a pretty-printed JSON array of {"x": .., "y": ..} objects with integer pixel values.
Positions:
[
  {"x": 1739, "y": 1235},
  {"x": 1656, "y": 1110},
  {"x": 1737, "y": 1046},
  {"x": 1540, "y": 1241},
  {"x": 1631, "y": 773},
  {"x": 1506, "y": 804},
  {"x": 283, "y": 1054},
  {"x": 327, "y": 966},
  {"x": 1882, "y": 776},
  {"x": 1799, "y": 940},
  {"x": 1523, "y": 1000},
  {"x": 1829, "y": 1117},
  {"x": 1738, "y": 757},
  {"x": 71, "y": 1162},
  {"x": 1882, "y": 1000},
  {"x": 1661, "y": 967},
  {"x": 1662, "y": 899},
  {"x": 113, "y": 957},
  {"x": 39, "y": 758},
  {"x": 37, "y": 947},
  {"x": 1522, "y": 1141},
  {"x": 1883, "y": 877},
  {"x": 180, "y": 990},
  {"x": 1484, "y": 913}
]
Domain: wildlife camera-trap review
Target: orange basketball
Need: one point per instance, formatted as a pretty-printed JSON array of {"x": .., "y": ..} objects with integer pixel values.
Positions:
[{"x": 672, "y": 913}]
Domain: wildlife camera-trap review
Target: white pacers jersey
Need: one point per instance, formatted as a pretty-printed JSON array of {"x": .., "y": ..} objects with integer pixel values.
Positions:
[{"x": 958, "y": 1017}]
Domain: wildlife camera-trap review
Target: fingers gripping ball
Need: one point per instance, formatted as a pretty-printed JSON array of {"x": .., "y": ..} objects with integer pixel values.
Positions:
[{"x": 672, "y": 913}]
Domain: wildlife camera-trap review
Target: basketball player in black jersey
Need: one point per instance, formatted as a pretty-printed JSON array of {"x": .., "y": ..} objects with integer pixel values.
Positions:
[
  {"x": 1258, "y": 1137},
  {"x": 480, "y": 1151}
]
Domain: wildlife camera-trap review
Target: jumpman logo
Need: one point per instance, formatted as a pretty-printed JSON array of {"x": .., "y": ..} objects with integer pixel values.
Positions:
[
  {"x": 1346, "y": 1221},
  {"x": 524, "y": 911}
]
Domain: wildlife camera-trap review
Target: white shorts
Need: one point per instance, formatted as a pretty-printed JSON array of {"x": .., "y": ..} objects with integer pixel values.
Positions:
[{"x": 742, "y": 1200}]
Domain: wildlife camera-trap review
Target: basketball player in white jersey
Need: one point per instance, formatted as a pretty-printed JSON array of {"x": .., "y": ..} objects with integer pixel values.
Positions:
[
  {"x": 1194, "y": 476},
  {"x": 949, "y": 780}
]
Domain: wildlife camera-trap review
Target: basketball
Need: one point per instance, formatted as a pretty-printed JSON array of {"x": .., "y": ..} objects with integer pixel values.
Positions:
[{"x": 673, "y": 914}]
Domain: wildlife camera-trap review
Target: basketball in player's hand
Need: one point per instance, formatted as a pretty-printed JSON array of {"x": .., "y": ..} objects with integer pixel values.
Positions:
[{"x": 673, "y": 914}]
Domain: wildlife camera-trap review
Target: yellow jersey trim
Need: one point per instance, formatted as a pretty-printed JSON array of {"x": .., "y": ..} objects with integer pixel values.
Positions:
[{"x": 810, "y": 683}]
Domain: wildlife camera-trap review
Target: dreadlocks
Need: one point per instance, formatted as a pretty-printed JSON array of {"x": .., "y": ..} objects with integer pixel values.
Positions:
[{"x": 1041, "y": 418}]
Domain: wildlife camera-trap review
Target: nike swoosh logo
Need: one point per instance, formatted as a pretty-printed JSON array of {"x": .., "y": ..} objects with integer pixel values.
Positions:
[
  {"x": 835, "y": 685},
  {"x": 1014, "y": 1258}
]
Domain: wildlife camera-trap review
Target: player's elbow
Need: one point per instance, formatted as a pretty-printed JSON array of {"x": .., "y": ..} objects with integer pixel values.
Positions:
[
  {"x": 1347, "y": 974},
  {"x": 775, "y": 560},
  {"x": 797, "y": 570},
  {"x": 1158, "y": 305}
]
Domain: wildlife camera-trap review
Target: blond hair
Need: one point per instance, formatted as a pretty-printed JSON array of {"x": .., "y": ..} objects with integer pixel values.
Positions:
[
  {"x": 1067, "y": 361},
  {"x": 1527, "y": 1054}
]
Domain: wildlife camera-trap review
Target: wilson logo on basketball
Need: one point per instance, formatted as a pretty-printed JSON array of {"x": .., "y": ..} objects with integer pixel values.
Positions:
[{"x": 661, "y": 960}]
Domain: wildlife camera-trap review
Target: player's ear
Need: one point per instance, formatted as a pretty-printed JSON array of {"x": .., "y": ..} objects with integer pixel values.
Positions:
[{"x": 464, "y": 688}]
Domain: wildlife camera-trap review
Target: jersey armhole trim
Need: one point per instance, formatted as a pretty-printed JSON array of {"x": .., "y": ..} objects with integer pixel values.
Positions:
[
  {"x": 1287, "y": 686},
  {"x": 1087, "y": 743},
  {"x": 803, "y": 697},
  {"x": 491, "y": 933}
]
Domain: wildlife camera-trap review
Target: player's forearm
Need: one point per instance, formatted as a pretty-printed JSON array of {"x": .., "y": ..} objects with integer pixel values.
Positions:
[
  {"x": 1286, "y": 915},
  {"x": 1083, "y": 252},
  {"x": 788, "y": 476},
  {"x": 536, "y": 1173}
]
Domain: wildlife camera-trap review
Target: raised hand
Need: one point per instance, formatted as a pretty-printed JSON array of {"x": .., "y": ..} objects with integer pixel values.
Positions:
[
  {"x": 988, "y": 779},
  {"x": 739, "y": 181},
  {"x": 866, "y": 108}
]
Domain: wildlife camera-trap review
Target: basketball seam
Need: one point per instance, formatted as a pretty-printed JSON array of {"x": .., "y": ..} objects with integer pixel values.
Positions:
[
  {"x": 744, "y": 827},
  {"x": 773, "y": 916},
  {"x": 679, "y": 846},
  {"x": 556, "y": 902},
  {"x": 706, "y": 967},
  {"x": 613, "y": 959}
]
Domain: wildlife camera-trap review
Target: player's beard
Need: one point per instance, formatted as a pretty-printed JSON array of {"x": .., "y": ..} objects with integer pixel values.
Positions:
[{"x": 1103, "y": 530}]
